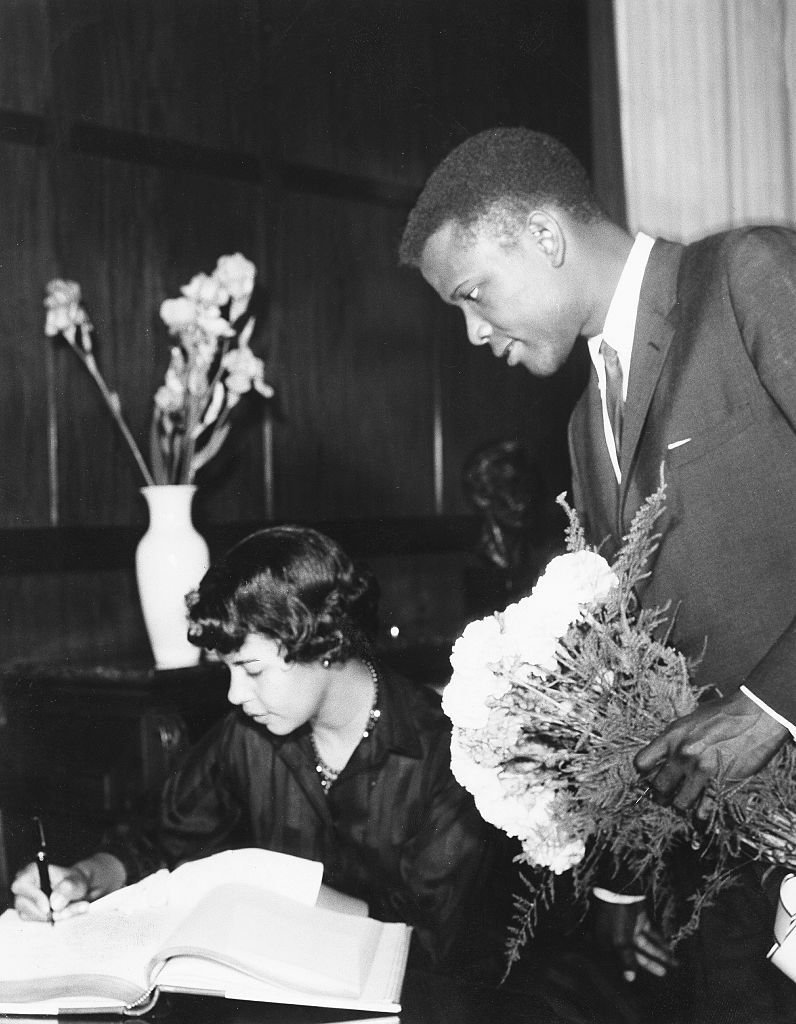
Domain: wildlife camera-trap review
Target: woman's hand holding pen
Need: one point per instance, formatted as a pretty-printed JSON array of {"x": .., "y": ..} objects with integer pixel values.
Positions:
[
  {"x": 72, "y": 888},
  {"x": 69, "y": 893}
]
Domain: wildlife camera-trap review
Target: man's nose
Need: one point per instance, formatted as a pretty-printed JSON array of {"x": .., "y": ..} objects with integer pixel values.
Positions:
[{"x": 478, "y": 330}]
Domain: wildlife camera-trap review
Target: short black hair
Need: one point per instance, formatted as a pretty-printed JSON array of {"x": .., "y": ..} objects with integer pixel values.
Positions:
[
  {"x": 293, "y": 585},
  {"x": 508, "y": 169}
]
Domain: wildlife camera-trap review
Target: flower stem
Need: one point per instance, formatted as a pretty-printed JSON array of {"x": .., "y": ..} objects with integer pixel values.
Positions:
[{"x": 112, "y": 401}]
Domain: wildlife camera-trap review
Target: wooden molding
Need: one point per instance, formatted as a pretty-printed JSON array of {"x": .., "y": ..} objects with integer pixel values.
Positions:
[
  {"x": 23, "y": 129},
  {"x": 91, "y": 139},
  {"x": 102, "y": 548},
  {"x": 134, "y": 147}
]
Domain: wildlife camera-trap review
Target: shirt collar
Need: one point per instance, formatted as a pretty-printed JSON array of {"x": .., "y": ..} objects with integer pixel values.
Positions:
[
  {"x": 620, "y": 321},
  {"x": 397, "y": 729}
]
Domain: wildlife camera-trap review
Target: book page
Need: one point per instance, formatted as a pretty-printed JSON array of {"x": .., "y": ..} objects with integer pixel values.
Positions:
[
  {"x": 108, "y": 949},
  {"x": 295, "y": 877},
  {"x": 341, "y": 902},
  {"x": 274, "y": 939},
  {"x": 381, "y": 990},
  {"x": 81, "y": 952},
  {"x": 233, "y": 938}
]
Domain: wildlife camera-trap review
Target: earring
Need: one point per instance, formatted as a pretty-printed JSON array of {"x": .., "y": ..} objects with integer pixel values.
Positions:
[{"x": 326, "y": 662}]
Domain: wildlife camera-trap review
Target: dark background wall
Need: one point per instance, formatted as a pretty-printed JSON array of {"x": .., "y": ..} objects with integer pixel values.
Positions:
[{"x": 140, "y": 140}]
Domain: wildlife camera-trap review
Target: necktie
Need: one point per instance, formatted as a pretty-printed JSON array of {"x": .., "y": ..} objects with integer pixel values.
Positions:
[{"x": 613, "y": 392}]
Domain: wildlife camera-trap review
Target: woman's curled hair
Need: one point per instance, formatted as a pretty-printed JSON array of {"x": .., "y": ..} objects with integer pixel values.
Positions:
[{"x": 293, "y": 585}]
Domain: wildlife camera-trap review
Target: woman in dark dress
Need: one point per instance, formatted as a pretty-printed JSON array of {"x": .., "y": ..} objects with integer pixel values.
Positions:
[{"x": 326, "y": 755}]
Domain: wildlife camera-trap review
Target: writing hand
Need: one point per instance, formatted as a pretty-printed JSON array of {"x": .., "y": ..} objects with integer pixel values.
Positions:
[
  {"x": 626, "y": 930},
  {"x": 68, "y": 890},
  {"x": 731, "y": 736},
  {"x": 72, "y": 888}
]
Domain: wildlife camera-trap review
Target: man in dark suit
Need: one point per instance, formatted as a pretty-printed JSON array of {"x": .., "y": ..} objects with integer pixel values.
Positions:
[{"x": 694, "y": 372}]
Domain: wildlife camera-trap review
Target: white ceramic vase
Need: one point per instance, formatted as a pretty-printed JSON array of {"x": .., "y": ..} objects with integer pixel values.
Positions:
[{"x": 170, "y": 560}]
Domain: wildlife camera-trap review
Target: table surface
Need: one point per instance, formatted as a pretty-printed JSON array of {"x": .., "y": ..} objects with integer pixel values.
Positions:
[
  {"x": 563, "y": 988},
  {"x": 427, "y": 998}
]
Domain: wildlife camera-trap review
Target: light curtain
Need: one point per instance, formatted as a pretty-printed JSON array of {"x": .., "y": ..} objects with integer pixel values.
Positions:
[{"x": 708, "y": 113}]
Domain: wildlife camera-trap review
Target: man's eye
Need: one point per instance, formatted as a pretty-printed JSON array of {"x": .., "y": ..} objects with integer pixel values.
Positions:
[{"x": 473, "y": 296}]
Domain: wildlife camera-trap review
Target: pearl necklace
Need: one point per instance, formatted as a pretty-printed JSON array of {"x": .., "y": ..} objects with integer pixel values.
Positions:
[{"x": 328, "y": 775}]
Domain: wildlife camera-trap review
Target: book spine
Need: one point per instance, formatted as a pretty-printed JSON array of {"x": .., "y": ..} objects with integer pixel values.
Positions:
[{"x": 143, "y": 1004}]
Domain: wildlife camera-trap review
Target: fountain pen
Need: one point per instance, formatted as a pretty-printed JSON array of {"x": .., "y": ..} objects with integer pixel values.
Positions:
[{"x": 43, "y": 865}]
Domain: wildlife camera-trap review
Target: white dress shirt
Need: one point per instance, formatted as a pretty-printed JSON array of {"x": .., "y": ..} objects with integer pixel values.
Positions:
[{"x": 618, "y": 331}]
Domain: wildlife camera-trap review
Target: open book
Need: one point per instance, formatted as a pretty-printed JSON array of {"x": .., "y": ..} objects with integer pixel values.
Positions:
[{"x": 272, "y": 934}]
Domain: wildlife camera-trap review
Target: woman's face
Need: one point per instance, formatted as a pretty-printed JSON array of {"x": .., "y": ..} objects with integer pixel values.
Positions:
[{"x": 280, "y": 695}]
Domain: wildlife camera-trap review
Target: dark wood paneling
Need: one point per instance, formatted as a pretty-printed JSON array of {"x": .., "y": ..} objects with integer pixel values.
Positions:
[
  {"x": 132, "y": 236},
  {"x": 86, "y": 549},
  {"x": 25, "y": 261},
  {"x": 161, "y": 122},
  {"x": 134, "y": 147},
  {"x": 485, "y": 400},
  {"x": 153, "y": 136},
  {"x": 63, "y": 615},
  {"x": 354, "y": 359},
  {"x": 24, "y": 44},
  {"x": 359, "y": 73},
  {"x": 395, "y": 84},
  {"x": 333, "y": 184},
  {"x": 507, "y": 62},
  {"x": 608, "y": 171},
  {"x": 183, "y": 70},
  {"x": 70, "y": 593},
  {"x": 139, "y": 140}
]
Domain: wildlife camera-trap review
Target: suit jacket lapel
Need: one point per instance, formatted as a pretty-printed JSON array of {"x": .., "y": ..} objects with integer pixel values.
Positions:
[{"x": 655, "y": 326}]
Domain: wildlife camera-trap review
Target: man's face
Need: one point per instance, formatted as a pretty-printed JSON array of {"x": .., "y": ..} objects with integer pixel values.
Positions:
[{"x": 514, "y": 296}]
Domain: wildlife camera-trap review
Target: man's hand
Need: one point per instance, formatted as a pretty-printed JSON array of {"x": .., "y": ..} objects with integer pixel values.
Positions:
[
  {"x": 731, "y": 736},
  {"x": 625, "y": 930}
]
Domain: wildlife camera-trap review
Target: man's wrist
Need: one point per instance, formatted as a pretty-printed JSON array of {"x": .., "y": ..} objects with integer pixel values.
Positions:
[{"x": 769, "y": 711}]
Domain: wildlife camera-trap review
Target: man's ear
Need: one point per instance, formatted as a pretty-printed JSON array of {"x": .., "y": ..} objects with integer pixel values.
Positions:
[{"x": 547, "y": 234}]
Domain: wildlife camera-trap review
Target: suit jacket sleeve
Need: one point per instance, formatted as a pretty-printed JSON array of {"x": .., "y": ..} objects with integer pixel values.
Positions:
[{"x": 762, "y": 287}]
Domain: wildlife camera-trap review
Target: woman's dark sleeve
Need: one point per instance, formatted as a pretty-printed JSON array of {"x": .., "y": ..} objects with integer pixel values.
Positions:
[
  {"x": 197, "y": 812},
  {"x": 443, "y": 864}
]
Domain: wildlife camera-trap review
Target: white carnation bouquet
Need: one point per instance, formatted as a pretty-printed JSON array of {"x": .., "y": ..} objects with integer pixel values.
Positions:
[{"x": 550, "y": 700}]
